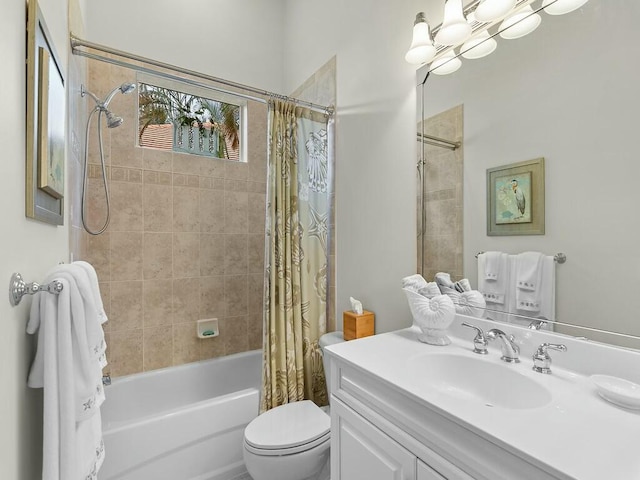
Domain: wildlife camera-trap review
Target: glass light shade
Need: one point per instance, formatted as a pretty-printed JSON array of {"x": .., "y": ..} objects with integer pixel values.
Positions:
[
  {"x": 479, "y": 46},
  {"x": 421, "y": 49},
  {"x": 521, "y": 23},
  {"x": 562, "y": 6},
  {"x": 446, "y": 64},
  {"x": 454, "y": 29},
  {"x": 490, "y": 10}
]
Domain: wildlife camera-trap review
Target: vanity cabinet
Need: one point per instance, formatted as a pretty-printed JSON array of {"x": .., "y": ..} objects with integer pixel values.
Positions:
[{"x": 380, "y": 432}]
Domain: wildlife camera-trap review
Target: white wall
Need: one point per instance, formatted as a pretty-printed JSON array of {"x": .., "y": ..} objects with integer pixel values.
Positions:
[
  {"x": 28, "y": 247},
  {"x": 568, "y": 93},
  {"x": 375, "y": 141},
  {"x": 234, "y": 40}
]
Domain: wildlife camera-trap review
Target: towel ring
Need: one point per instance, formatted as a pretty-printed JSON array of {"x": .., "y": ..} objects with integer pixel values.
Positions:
[{"x": 18, "y": 288}]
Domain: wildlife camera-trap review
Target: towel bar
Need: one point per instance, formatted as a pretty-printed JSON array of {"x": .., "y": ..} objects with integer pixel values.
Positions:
[
  {"x": 18, "y": 288},
  {"x": 558, "y": 257}
]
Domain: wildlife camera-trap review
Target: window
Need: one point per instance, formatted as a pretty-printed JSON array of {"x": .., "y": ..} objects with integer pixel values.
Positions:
[{"x": 187, "y": 119}]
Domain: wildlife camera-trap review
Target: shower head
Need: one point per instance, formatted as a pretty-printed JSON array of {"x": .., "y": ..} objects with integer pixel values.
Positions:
[
  {"x": 113, "y": 121},
  {"x": 124, "y": 89}
]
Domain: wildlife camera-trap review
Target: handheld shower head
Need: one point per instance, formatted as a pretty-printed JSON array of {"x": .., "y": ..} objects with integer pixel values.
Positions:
[
  {"x": 127, "y": 87},
  {"x": 113, "y": 121},
  {"x": 124, "y": 89}
]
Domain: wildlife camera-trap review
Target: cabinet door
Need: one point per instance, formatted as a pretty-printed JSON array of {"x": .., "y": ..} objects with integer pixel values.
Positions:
[
  {"x": 425, "y": 472},
  {"x": 361, "y": 451}
]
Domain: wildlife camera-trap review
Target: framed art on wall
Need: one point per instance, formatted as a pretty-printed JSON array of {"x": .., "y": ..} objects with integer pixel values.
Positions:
[
  {"x": 515, "y": 199},
  {"x": 46, "y": 120}
]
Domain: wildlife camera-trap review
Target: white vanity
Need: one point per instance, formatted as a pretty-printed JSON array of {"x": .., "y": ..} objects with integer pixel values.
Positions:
[{"x": 405, "y": 410}]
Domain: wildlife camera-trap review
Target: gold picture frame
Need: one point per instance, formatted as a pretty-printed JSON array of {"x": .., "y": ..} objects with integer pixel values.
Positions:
[
  {"x": 46, "y": 123},
  {"x": 515, "y": 199}
]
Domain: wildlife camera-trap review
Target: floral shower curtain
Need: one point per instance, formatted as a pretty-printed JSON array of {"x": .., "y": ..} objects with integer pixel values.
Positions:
[{"x": 296, "y": 256}]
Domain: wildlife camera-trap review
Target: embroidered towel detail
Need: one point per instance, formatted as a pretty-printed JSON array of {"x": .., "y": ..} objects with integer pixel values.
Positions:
[
  {"x": 493, "y": 265},
  {"x": 494, "y": 289}
]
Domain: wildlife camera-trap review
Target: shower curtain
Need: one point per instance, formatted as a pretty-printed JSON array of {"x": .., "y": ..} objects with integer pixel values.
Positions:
[{"x": 296, "y": 256}]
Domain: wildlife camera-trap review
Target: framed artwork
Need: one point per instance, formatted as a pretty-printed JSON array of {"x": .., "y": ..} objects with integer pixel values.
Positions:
[
  {"x": 515, "y": 199},
  {"x": 46, "y": 122}
]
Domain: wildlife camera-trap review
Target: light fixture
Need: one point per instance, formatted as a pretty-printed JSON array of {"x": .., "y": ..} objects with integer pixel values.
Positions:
[
  {"x": 560, "y": 7},
  {"x": 479, "y": 46},
  {"x": 519, "y": 24},
  {"x": 490, "y": 10},
  {"x": 446, "y": 64},
  {"x": 454, "y": 29},
  {"x": 421, "y": 49}
]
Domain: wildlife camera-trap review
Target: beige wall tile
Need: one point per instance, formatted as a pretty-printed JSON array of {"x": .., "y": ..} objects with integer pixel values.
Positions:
[
  {"x": 255, "y": 254},
  {"x": 186, "y": 345},
  {"x": 154, "y": 159},
  {"x": 99, "y": 255},
  {"x": 186, "y": 209},
  {"x": 157, "y": 207},
  {"x": 235, "y": 254},
  {"x": 211, "y": 167},
  {"x": 211, "y": 347},
  {"x": 235, "y": 294},
  {"x": 158, "y": 256},
  {"x": 157, "y": 303},
  {"x": 126, "y": 306},
  {"x": 186, "y": 300},
  {"x": 255, "y": 293},
  {"x": 124, "y": 352},
  {"x": 236, "y": 170},
  {"x": 212, "y": 254},
  {"x": 186, "y": 255},
  {"x": 212, "y": 211},
  {"x": 254, "y": 331},
  {"x": 126, "y": 256},
  {"x": 236, "y": 212},
  {"x": 233, "y": 331},
  {"x": 256, "y": 213},
  {"x": 186, "y": 163},
  {"x": 126, "y": 207},
  {"x": 212, "y": 298},
  {"x": 158, "y": 347}
]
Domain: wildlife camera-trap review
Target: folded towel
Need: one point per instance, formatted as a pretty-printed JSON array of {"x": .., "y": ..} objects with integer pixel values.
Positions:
[
  {"x": 463, "y": 285},
  {"x": 539, "y": 303},
  {"x": 493, "y": 265},
  {"x": 414, "y": 282},
  {"x": 445, "y": 284},
  {"x": 494, "y": 290},
  {"x": 95, "y": 288},
  {"x": 430, "y": 290},
  {"x": 528, "y": 281}
]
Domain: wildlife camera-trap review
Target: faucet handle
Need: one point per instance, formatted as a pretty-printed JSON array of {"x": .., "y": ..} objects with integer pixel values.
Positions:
[
  {"x": 542, "y": 359},
  {"x": 480, "y": 341}
]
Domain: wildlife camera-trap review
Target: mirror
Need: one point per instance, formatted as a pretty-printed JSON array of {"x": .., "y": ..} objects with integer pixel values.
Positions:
[{"x": 568, "y": 93}]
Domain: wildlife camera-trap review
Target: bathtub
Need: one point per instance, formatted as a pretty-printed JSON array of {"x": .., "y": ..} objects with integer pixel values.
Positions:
[{"x": 181, "y": 423}]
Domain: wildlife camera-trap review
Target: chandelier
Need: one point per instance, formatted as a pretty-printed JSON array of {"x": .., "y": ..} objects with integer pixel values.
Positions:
[{"x": 468, "y": 30}]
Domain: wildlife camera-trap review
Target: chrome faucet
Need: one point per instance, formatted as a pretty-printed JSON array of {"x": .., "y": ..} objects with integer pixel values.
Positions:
[
  {"x": 480, "y": 341},
  {"x": 542, "y": 360},
  {"x": 537, "y": 324},
  {"x": 510, "y": 351}
]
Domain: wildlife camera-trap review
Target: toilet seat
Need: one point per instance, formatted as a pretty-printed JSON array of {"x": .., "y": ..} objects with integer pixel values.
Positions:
[{"x": 288, "y": 429}]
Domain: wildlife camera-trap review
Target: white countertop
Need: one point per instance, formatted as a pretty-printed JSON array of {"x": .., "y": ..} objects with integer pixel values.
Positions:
[{"x": 576, "y": 433}]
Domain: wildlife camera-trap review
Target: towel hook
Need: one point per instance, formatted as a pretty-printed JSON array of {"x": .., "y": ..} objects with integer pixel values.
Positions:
[{"x": 18, "y": 288}]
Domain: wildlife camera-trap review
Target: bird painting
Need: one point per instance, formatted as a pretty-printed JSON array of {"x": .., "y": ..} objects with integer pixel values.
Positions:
[{"x": 521, "y": 201}]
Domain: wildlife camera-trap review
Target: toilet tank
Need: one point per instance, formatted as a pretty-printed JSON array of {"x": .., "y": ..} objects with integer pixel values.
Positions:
[{"x": 326, "y": 340}]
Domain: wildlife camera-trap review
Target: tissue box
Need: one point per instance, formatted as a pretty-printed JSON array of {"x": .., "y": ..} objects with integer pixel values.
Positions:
[{"x": 357, "y": 325}]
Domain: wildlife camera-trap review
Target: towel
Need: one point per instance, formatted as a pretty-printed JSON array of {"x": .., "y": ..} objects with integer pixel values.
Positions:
[
  {"x": 69, "y": 370},
  {"x": 528, "y": 281},
  {"x": 445, "y": 284},
  {"x": 414, "y": 282},
  {"x": 494, "y": 290},
  {"x": 545, "y": 299},
  {"x": 493, "y": 265},
  {"x": 95, "y": 288}
]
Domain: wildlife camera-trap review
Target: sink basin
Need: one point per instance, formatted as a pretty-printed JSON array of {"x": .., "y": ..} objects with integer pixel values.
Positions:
[{"x": 479, "y": 380}]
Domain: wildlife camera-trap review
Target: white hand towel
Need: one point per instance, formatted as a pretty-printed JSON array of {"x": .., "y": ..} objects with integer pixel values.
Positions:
[
  {"x": 543, "y": 299},
  {"x": 528, "y": 281},
  {"x": 95, "y": 288},
  {"x": 493, "y": 265},
  {"x": 430, "y": 290},
  {"x": 445, "y": 284},
  {"x": 494, "y": 290}
]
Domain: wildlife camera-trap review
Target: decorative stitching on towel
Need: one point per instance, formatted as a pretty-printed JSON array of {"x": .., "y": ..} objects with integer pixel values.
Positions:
[{"x": 93, "y": 474}]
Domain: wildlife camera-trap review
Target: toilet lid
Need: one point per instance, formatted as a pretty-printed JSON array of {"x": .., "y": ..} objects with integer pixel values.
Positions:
[{"x": 287, "y": 426}]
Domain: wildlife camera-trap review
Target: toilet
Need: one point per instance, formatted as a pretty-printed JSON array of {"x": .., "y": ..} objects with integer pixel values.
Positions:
[{"x": 291, "y": 442}]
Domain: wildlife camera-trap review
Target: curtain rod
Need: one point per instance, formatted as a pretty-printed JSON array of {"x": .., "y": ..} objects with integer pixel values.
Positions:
[{"x": 78, "y": 43}]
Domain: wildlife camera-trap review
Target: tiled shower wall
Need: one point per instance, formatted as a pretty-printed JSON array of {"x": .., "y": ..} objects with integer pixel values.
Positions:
[
  {"x": 441, "y": 250},
  {"x": 185, "y": 242}
]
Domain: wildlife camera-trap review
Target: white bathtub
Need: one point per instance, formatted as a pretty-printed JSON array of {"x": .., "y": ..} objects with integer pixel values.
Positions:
[{"x": 181, "y": 423}]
